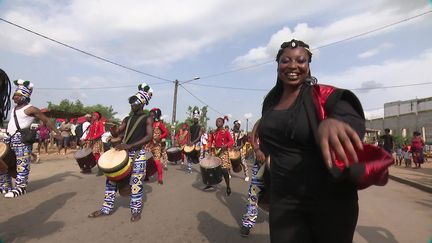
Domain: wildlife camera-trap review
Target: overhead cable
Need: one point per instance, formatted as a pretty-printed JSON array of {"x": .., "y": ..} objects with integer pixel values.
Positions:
[{"x": 86, "y": 52}]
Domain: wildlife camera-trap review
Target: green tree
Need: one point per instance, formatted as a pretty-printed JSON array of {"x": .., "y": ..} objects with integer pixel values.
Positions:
[
  {"x": 203, "y": 115},
  {"x": 77, "y": 108}
]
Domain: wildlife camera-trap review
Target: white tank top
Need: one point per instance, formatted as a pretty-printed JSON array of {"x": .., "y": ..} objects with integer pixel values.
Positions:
[{"x": 24, "y": 120}]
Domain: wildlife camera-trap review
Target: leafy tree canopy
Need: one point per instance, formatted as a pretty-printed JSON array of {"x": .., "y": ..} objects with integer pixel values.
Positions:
[{"x": 77, "y": 107}]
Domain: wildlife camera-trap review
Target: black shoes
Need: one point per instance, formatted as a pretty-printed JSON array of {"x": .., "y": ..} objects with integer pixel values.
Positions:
[
  {"x": 244, "y": 231},
  {"x": 228, "y": 191}
]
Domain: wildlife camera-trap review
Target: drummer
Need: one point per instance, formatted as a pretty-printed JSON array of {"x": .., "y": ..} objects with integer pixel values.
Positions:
[
  {"x": 220, "y": 142},
  {"x": 159, "y": 133},
  {"x": 136, "y": 138},
  {"x": 239, "y": 140},
  {"x": 182, "y": 137},
  {"x": 194, "y": 139},
  {"x": 23, "y": 115}
]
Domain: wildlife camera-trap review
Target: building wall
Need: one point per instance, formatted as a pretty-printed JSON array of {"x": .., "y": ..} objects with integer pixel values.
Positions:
[{"x": 411, "y": 122}]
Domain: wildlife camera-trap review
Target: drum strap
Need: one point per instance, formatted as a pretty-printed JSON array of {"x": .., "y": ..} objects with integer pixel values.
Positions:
[{"x": 126, "y": 138}]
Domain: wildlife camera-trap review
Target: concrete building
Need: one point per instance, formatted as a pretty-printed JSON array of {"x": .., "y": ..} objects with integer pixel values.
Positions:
[{"x": 405, "y": 117}]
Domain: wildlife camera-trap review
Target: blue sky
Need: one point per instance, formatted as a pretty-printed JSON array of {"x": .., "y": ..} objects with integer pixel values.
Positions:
[{"x": 184, "y": 39}]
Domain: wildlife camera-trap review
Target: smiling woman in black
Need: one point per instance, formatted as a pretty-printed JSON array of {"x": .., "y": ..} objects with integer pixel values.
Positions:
[{"x": 307, "y": 203}]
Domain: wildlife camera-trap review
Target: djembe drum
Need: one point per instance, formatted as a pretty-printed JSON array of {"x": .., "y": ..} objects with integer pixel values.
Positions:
[
  {"x": 174, "y": 154},
  {"x": 211, "y": 170},
  {"x": 7, "y": 160},
  {"x": 235, "y": 159},
  {"x": 115, "y": 164},
  {"x": 192, "y": 153},
  {"x": 85, "y": 158}
]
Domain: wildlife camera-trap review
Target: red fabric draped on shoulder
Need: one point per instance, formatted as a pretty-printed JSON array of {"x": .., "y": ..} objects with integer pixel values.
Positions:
[{"x": 374, "y": 161}]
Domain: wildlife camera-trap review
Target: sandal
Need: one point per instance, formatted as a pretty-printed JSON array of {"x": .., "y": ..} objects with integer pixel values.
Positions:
[
  {"x": 96, "y": 214},
  {"x": 135, "y": 217}
]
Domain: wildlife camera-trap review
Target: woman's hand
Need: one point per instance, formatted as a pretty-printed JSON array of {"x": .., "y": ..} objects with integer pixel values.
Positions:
[
  {"x": 338, "y": 139},
  {"x": 260, "y": 156}
]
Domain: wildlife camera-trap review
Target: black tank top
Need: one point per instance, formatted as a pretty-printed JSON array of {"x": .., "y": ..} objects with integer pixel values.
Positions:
[{"x": 140, "y": 130}]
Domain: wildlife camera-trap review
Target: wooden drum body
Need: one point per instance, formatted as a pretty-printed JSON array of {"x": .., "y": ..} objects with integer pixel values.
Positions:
[
  {"x": 235, "y": 158},
  {"x": 151, "y": 168},
  {"x": 85, "y": 158},
  {"x": 115, "y": 164},
  {"x": 7, "y": 160},
  {"x": 174, "y": 154},
  {"x": 211, "y": 170},
  {"x": 192, "y": 152}
]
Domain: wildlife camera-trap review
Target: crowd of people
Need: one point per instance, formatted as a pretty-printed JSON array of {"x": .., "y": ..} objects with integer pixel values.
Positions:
[
  {"x": 308, "y": 143},
  {"x": 408, "y": 153}
]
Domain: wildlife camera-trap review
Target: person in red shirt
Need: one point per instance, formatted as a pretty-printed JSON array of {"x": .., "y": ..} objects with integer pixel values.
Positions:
[
  {"x": 220, "y": 141},
  {"x": 159, "y": 132},
  {"x": 94, "y": 135},
  {"x": 417, "y": 145}
]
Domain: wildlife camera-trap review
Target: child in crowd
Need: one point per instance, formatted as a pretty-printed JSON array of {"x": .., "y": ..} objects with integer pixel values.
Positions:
[{"x": 406, "y": 156}]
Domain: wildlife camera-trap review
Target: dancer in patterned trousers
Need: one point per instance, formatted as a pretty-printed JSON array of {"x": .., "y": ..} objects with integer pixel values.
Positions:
[
  {"x": 256, "y": 187},
  {"x": 240, "y": 139},
  {"x": 136, "y": 182},
  {"x": 138, "y": 131},
  {"x": 22, "y": 117}
]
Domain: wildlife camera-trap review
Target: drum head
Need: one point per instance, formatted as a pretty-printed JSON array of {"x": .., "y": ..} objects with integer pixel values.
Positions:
[
  {"x": 189, "y": 149},
  {"x": 173, "y": 150},
  {"x": 4, "y": 149},
  {"x": 234, "y": 154},
  {"x": 83, "y": 153},
  {"x": 210, "y": 162},
  {"x": 112, "y": 158}
]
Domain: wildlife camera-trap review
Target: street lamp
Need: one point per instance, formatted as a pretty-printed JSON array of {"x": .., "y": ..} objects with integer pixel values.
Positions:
[{"x": 173, "y": 118}]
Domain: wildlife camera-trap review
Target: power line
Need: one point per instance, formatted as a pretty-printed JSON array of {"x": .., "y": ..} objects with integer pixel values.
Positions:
[
  {"x": 232, "y": 71},
  {"x": 374, "y": 30},
  {"x": 85, "y": 52},
  {"x": 95, "y": 88},
  {"x": 227, "y": 87},
  {"x": 392, "y": 86},
  {"x": 201, "y": 100},
  {"x": 355, "y": 89},
  {"x": 322, "y": 46}
]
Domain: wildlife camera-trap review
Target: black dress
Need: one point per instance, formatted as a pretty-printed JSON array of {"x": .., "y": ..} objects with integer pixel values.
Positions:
[{"x": 307, "y": 203}]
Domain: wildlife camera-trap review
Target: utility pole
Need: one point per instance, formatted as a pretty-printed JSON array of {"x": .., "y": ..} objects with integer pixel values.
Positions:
[
  {"x": 173, "y": 120},
  {"x": 247, "y": 125}
]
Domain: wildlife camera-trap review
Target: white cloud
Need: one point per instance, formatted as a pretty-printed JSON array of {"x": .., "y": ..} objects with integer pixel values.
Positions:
[
  {"x": 317, "y": 36},
  {"x": 247, "y": 115},
  {"x": 152, "y": 32},
  {"x": 375, "y": 51},
  {"x": 366, "y": 86},
  {"x": 374, "y": 114},
  {"x": 389, "y": 73}
]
